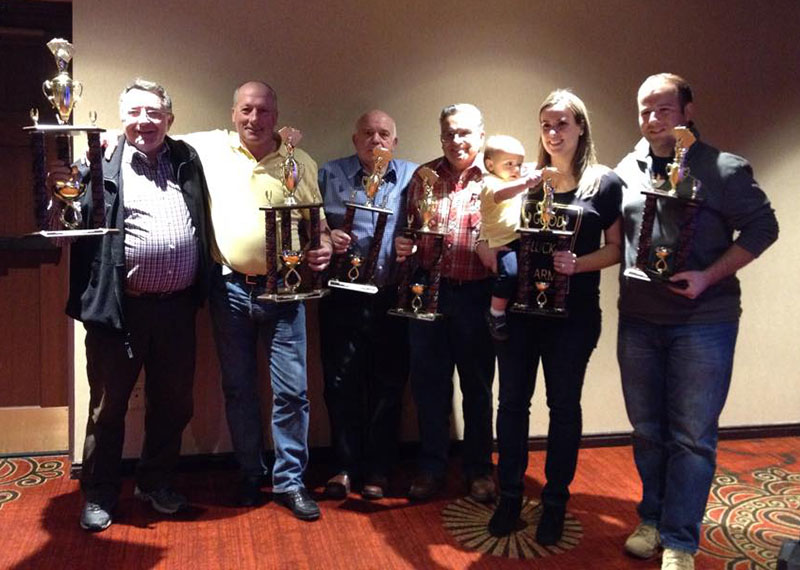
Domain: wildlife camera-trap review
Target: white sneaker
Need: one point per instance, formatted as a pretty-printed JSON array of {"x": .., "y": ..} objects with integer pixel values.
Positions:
[
  {"x": 643, "y": 541},
  {"x": 677, "y": 560}
]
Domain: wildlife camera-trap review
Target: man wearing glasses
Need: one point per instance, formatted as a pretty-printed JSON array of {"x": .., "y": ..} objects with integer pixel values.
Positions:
[
  {"x": 137, "y": 292},
  {"x": 461, "y": 339}
]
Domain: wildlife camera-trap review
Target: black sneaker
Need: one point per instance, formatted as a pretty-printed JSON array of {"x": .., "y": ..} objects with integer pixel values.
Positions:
[
  {"x": 300, "y": 503},
  {"x": 498, "y": 327},
  {"x": 164, "y": 500},
  {"x": 96, "y": 513}
]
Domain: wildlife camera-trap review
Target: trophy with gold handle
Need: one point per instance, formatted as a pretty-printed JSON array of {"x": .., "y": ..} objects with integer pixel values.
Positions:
[
  {"x": 63, "y": 92},
  {"x": 418, "y": 294},
  {"x": 672, "y": 204},
  {"x": 288, "y": 278},
  {"x": 545, "y": 227},
  {"x": 352, "y": 269}
]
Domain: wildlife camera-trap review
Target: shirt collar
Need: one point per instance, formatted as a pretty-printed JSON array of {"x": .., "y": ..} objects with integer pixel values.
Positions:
[
  {"x": 237, "y": 146},
  {"x": 131, "y": 153},
  {"x": 354, "y": 171}
]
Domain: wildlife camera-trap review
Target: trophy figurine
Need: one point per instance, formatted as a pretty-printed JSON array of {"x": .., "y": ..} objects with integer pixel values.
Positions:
[
  {"x": 360, "y": 276},
  {"x": 418, "y": 295},
  {"x": 673, "y": 204},
  {"x": 63, "y": 92},
  {"x": 545, "y": 227},
  {"x": 278, "y": 234}
]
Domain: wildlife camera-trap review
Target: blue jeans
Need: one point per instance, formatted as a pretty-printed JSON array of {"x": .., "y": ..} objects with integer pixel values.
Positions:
[
  {"x": 459, "y": 341},
  {"x": 238, "y": 319},
  {"x": 675, "y": 379},
  {"x": 504, "y": 284},
  {"x": 563, "y": 346}
]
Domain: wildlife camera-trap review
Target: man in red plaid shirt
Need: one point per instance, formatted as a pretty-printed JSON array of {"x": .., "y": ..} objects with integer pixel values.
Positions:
[{"x": 461, "y": 339}]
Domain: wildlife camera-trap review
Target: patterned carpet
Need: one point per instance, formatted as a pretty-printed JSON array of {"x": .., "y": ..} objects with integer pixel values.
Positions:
[
  {"x": 20, "y": 473},
  {"x": 746, "y": 522}
]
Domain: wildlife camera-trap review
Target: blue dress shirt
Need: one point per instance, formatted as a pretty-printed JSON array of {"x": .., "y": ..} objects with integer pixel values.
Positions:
[{"x": 337, "y": 180}]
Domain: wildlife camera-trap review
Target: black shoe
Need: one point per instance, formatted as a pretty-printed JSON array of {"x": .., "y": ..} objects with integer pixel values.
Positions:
[
  {"x": 96, "y": 513},
  {"x": 338, "y": 486},
  {"x": 498, "y": 327},
  {"x": 551, "y": 525},
  {"x": 425, "y": 487},
  {"x": 505, "y": 519},
  {"x": 249, "y": 492},
  {"x": 300, "y": 503}
]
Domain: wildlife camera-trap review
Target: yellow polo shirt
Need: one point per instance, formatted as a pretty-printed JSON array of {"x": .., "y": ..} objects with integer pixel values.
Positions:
[
  {"x": 238, "y": 186},
  {"x": 499, "y": 221}
]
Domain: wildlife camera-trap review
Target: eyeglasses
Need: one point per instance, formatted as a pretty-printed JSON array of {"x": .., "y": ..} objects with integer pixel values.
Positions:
[
  {"x": 450, "y": 136},
  {"x": 153, "y": 114}
]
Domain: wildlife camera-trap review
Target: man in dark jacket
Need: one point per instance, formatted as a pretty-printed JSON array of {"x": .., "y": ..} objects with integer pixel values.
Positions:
[{"x": 137, "y": 291}]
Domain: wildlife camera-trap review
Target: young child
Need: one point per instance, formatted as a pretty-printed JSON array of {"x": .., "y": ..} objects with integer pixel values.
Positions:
[{"x": 501, "y": 201}]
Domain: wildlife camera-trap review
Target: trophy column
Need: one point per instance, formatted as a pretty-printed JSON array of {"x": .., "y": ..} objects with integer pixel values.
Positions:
[
  {"x": 418, "y": 297},
  {"x": 354, "y": 277},
  {"x": 658, "y": 259},
  {"x": 63, "y": 93},
  {"x": 278, "y": 224}
]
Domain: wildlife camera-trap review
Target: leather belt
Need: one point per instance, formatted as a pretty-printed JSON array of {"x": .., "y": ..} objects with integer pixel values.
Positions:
[{"x": 163, "y": 296}]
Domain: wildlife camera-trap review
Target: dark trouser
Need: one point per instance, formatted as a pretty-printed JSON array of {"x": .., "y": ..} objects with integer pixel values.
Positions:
[
  {"x": 564, "y": 347},
  {"x": 459, "y": 341},
  {"x": 365, "y": 364},
  {"x": 504, "y": 284},
  {"x": 162, "y": 339}
]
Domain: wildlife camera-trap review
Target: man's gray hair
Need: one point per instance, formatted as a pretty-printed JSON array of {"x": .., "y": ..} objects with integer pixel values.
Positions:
[
  {"x": 459, "y": 108},
  {"x": 150, "y": 87}
]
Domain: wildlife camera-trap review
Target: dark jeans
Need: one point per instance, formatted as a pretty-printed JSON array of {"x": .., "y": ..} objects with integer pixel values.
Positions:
[
  {"x": 564, "y": 347},
  {"x": 459, "y": 341},
  {"x": 365, "y": 365},
  {"x": 504, "y": 284},
  {"x": 162, "y": 339}
]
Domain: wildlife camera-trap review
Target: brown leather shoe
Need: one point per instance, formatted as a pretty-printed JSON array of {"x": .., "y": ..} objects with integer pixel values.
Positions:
[
  {"x": 424, "y": 487},
  {"x": 338, "y": 486},
  {"x": 374, "y": 487},
  {"x": 482, "y": 489}
]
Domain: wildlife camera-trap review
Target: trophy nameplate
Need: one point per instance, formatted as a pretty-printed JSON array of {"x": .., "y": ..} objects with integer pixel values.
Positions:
[
  {"x": 673, "y": 204},
  {"x": 418, "y": 294},
  {"x": 298, "y": 281},
  {"x": 63, "y": 93},
  {"x": 354, "y": 270},
  {"x": 545, "y": 228}
]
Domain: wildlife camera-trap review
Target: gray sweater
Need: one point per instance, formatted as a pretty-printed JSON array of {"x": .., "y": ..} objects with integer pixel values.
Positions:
[{"x": 734, "y": 210}]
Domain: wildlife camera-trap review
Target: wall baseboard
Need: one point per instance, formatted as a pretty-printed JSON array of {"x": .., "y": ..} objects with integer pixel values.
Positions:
[{"x": 408, "y": 450}]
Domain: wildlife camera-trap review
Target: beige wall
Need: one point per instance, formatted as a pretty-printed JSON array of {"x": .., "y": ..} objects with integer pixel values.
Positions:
[{"x": 329, "y": 61}]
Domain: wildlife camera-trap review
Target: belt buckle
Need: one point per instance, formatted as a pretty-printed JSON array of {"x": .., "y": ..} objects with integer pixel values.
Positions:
[{"x": 251, "y": 279}]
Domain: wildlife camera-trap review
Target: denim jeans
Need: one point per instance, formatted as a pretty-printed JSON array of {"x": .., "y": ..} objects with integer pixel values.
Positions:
[
  {"x": 675, "y": 379},
  {"x": 238, "y": 319},
  {"x": 564, "y": 347},
  {"x": 459, "y": 341},
  {"x": 504, "y": 284}
]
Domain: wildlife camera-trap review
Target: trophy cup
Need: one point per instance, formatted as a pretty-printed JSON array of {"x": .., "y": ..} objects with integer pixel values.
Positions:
[
  {"x": 298, "y": 283},
  {"x": 359, "y": 275},
  {"x": 63, "y": 93},
  {"x": 545, "y": 227},
  {"x": 673, "y": 204},
  {"x": 418, "y": 296}
]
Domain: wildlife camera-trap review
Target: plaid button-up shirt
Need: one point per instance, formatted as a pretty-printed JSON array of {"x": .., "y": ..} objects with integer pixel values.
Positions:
[
  {"x": 458, "y": 214},
  {"x": 161, "y": 252}
]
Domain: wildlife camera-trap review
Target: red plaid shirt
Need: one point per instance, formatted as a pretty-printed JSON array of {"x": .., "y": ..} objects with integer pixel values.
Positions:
[{"x": 459, "y": 214}]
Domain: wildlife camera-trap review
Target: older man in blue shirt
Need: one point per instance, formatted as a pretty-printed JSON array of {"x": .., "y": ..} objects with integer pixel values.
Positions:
[{"x": 364, "y": 351}]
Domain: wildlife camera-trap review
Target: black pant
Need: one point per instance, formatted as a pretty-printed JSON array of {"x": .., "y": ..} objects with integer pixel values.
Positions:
[
  {"x": 365, "y": 365},
  {"x": 564, "y": 347},
  {"x": 162, "y": 339}
]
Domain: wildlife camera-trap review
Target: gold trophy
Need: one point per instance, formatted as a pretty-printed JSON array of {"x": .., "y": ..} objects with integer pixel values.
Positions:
[
  {"x": 295, "y": 287},
  {"x": 545, "y": 227},
  {"x": 356, "y": 278},
  {"x": 63, "y": 93},
  {"x": 674, "y": 204},
  {"x": 421, "y": 272}
]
